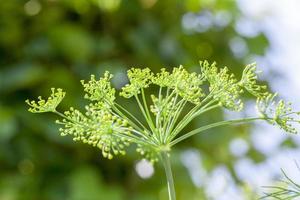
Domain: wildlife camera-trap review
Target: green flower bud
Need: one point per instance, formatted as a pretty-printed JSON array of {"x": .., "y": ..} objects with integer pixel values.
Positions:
[
  {"x": 223, "y": 86},
  {"x": 277, "y": 112},
  {"x": 249, "y": 82},
  {"x": 99, "y": 90},
  {"x": 138, "y": 79},
  {"x": 48, "y": 105}
]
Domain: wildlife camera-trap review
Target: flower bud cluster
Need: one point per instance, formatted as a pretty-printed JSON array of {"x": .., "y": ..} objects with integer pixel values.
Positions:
[
  {"x": 99, "y": 90},
  {"x": 162, "y": 79},
  {"x": 223, "y": 86},
  {"x": 138, "y": 79},
  {"x": 185, "y": 84},
  {"x": 48, "y": 105},
  {"x": 277, "y": 112},
  {"x": 97, "y": 128},
  {"x": 249, "y": 82}
]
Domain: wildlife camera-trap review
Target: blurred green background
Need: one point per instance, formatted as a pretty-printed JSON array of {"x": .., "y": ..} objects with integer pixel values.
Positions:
[{"x": 56, "y": 43}]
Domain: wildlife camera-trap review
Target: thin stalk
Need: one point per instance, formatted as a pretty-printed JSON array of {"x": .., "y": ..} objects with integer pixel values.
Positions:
[
  {"x": 131, "y": 115},
  {"x": 140, "y": 135},
  {"x": 151, "y": 126},
  {"x": 165, "y": 158},
  {"x": 146, "y": 110},
  {"x": 217, "y": 124},
  {"x": 60, "y": 114},
  {"x": 145, "y": 114},
  {"x": 190, "y": 116},
  {"x": 134, "y": 138},
  {"x": 180, "y": 106},
  {"x": 168, "y": 120},
  {"x": 189, "y": 119},
  {"x": 157, "y": 118},
  {"x": 192, "y": 111},
  {"x": 120, "y": 114}
]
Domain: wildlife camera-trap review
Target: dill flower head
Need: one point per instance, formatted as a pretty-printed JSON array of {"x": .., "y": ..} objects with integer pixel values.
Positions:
[{"x": 109, "y": 126}]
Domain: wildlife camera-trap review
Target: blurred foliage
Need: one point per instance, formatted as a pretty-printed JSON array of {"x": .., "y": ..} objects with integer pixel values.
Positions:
[{"x": 56, "y": 43}]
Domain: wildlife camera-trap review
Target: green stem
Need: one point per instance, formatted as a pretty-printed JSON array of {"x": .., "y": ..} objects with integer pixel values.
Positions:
[
  {"x": 217, "y": 124},
  {"x": 149, "y": 121},
  {"x": 131, "y": 115},
  {"x": 60, "y": 114},
  {"x": 144, "y": 113},
  {"x": 120, "y": 114},
  {"x": 175, "y": 118},
  {"x": 187, "y": 120},
  {"x": 165, "y": 158}
]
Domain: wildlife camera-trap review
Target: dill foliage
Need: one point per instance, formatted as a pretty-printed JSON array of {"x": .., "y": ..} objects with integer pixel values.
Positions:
[{"x": 287, "y": 189}]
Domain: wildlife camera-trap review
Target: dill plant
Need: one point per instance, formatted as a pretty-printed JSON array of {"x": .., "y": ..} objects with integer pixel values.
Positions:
[
  {"x": 109, "y": 126},
  {"x": 288, "y": 189}
]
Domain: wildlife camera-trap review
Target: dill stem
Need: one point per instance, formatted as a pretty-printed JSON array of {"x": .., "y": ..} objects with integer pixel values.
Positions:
[
  {"x": 217, "y": 124},
  {"x": 165, "y": 158}
]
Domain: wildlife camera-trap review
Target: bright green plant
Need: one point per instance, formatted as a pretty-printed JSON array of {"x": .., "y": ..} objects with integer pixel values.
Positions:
[
  {"x": 111, "y": 127},
  {"x": 287, "y": 190}
]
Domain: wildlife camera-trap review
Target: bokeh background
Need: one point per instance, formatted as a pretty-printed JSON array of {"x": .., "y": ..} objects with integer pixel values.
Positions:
[{"x": 56, "y": 43}]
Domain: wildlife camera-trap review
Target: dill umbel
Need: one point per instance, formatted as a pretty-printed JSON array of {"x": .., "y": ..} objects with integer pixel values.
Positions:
[{"x": 109, "y": 126}]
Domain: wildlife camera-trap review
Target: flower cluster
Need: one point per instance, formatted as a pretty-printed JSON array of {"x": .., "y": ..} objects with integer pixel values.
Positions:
[
  {"x": 138, "y": 78},
  {"x": 223, "y": 86},
  {"x": 277, "y": 112},
  {"x": 185, "y": 84},
  {"x": 162, "y": 79},
  {"x": 48, "y": 105},
  {"x": 100, "y": 90},
  {"x": 249, "y": 82},
  {"x": 99, "y": 129}
]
